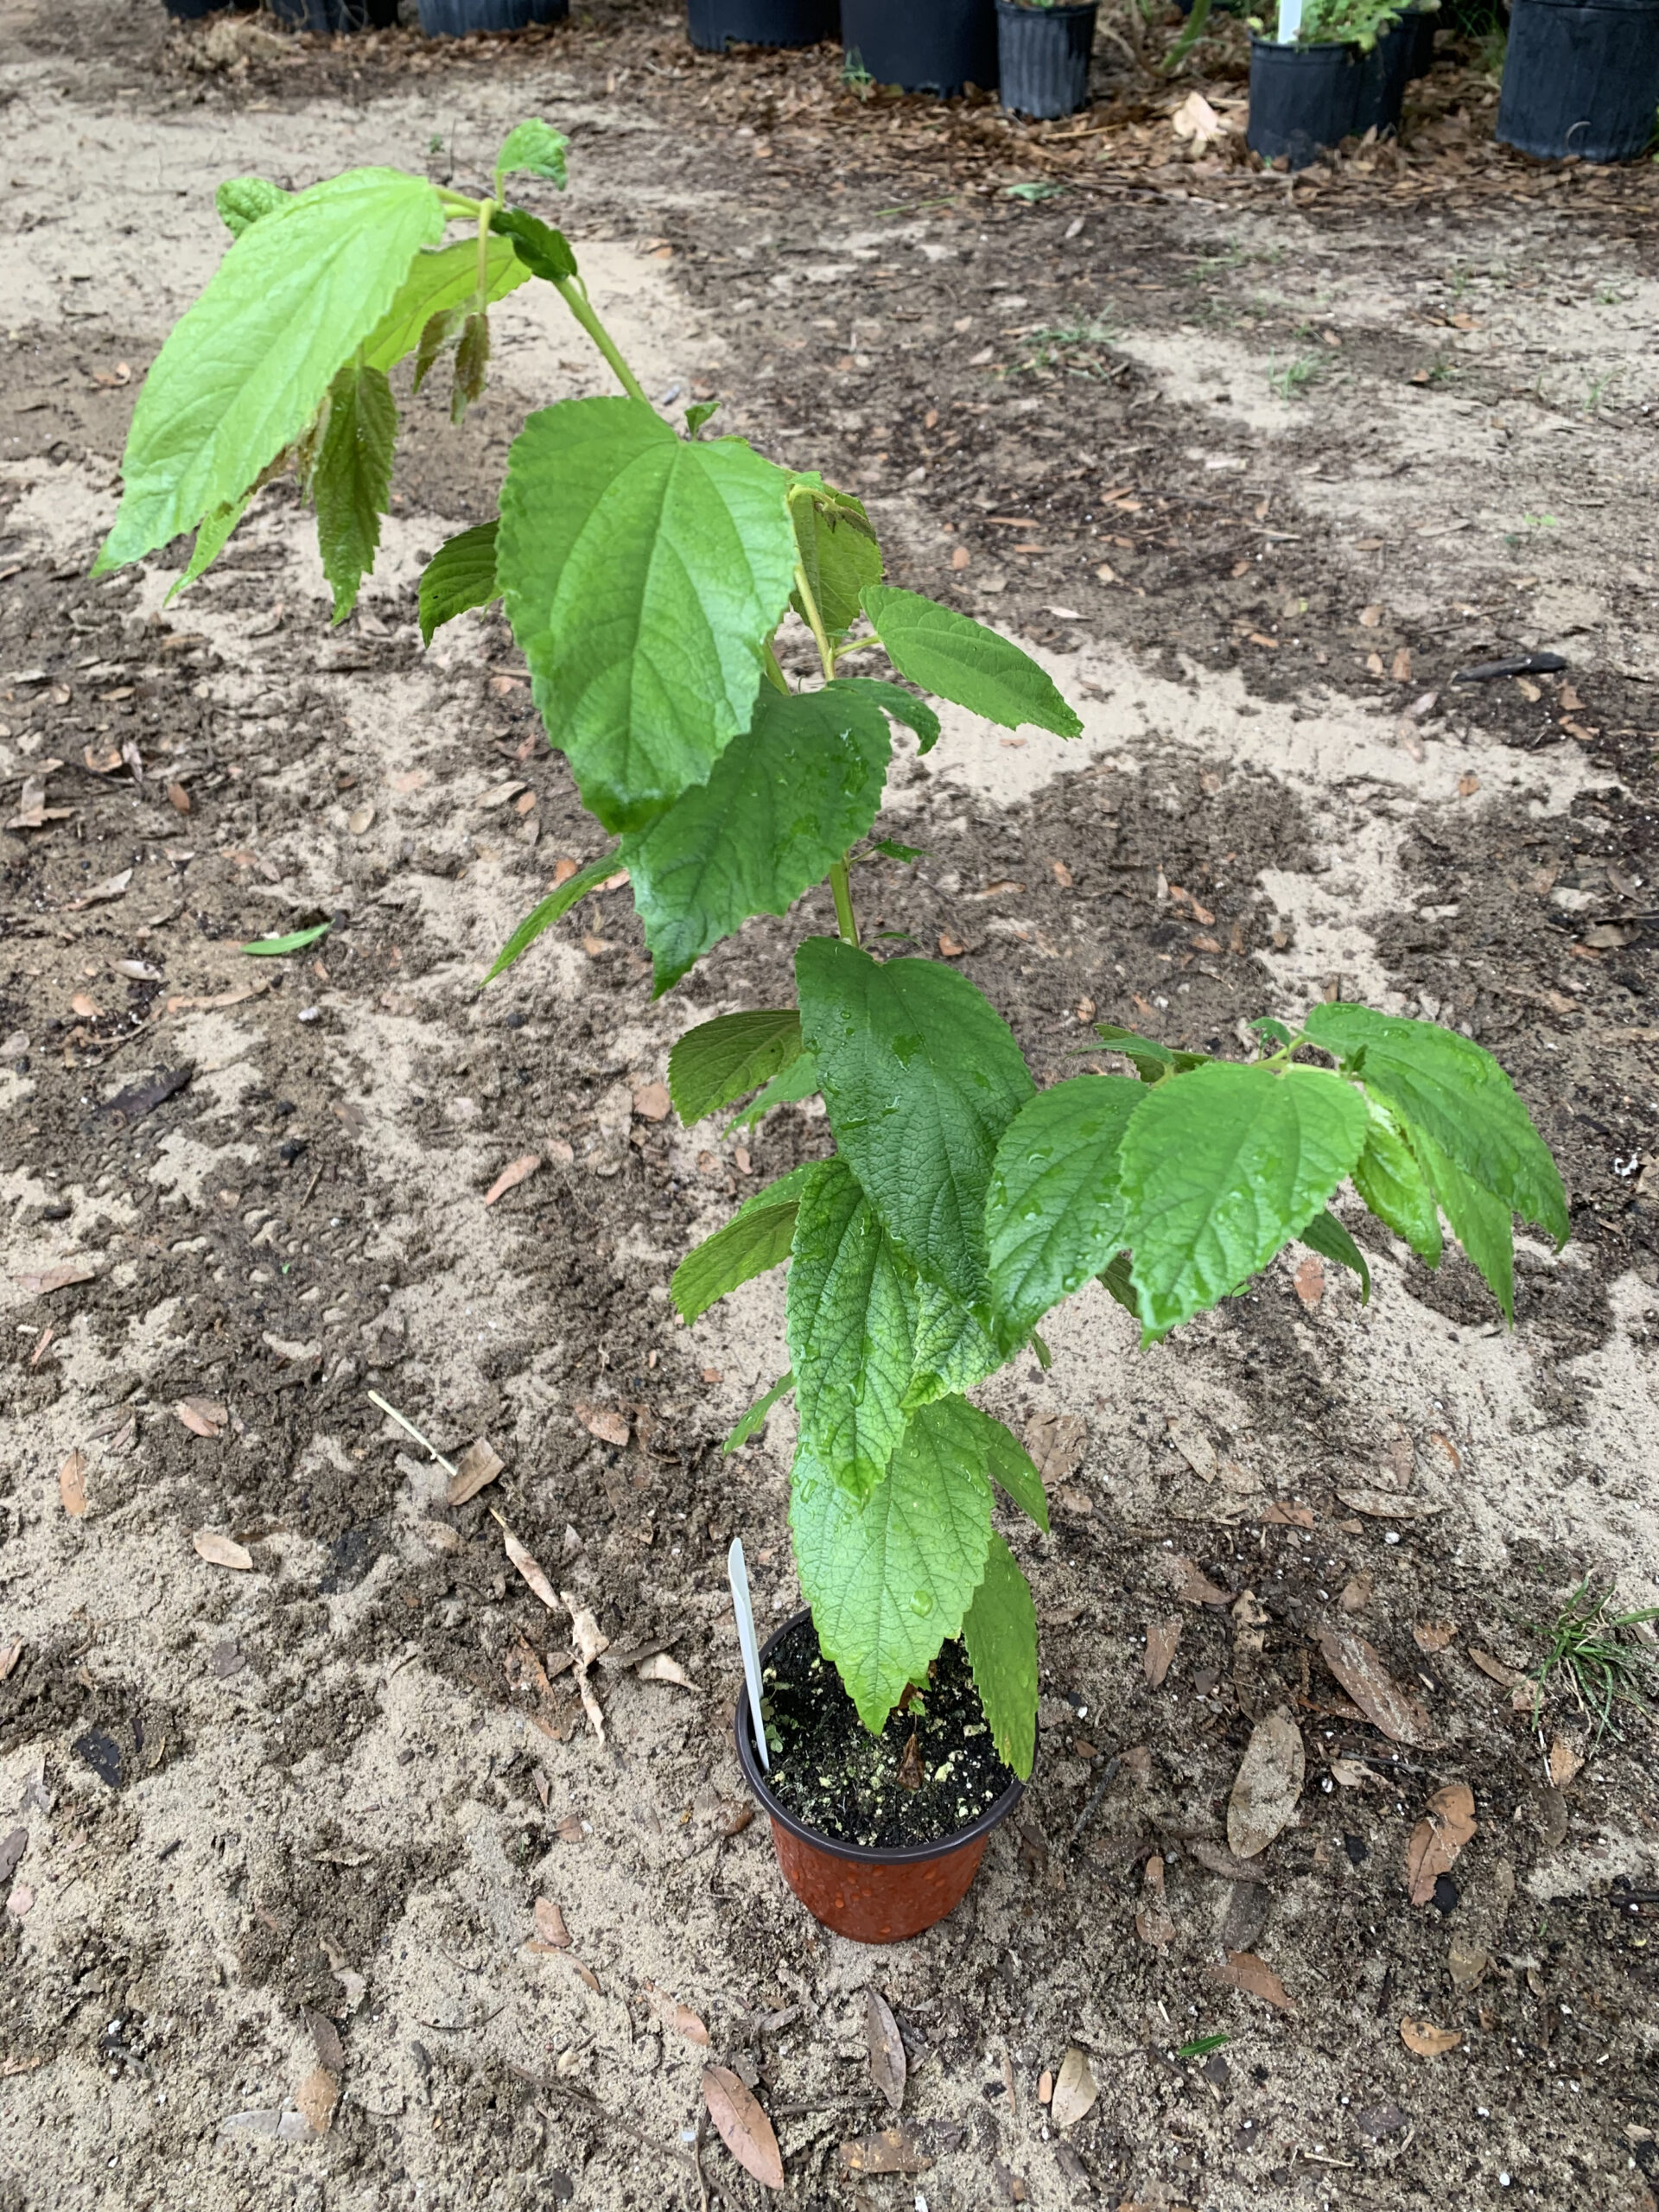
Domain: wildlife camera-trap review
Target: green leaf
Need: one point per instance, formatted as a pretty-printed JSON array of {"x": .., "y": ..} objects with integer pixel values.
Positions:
[
  {"x": 1013, "y": 1468},
  {"x": 472, "y": 365},
  {"x": 1325, "y": 1235},
  {"x": 556, "y": 902},
  {"x": 756, "y": 1238},
  {"x": 894, "y": 851},
  {"x": 532, "y": 148},
  {"x": 296, "y": 941},
  {"x": 460, "y": 575},
  {"x": 1388, "y": 1177},
  {"x": 1276, "y": 1031},
  {"x": 1055, "y": 1212},
  {"x": 890, "y": 1577},
  {"x": 351, "y": 478},
  {"x": 241, "y": 201},
  {"x": 1446, "y": 1085},
  {"x": 1480, "y": 1221},
  {"x": 851, "y": 1308},
  {"x": 904, "y": 706},
  {"x": 434, "y": 337},
  {"x": 838, "y": 552},
  {"x": 1151, "y": 1061},
  {"x": 542, "y": 251},
  {"x": 643, "y": 576},
  {"x": 724, "y": 1060},
  {"x": 755, "y": 1419},
  {"x": 959, "y": 660},
  {"x": 799, "y": 1080},
  {"x": 1117, "y": 1281},
  {"x": 1000, "y": 1634},
  {"x": 443, "y": 283},
  {"x": 921, "y": 1076},
  {"x": 697, "y": 416},
  {"x": 784, "y": 800},
  {"x": 1220, "y": 1166},
  {"x": 951, "y": 1352},
  {"x": 248, "y": 366},
  {"x": 212, "y": 534}
]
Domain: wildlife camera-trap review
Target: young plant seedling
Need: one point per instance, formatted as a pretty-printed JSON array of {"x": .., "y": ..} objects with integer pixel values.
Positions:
[{"x": 645, "y": 569}]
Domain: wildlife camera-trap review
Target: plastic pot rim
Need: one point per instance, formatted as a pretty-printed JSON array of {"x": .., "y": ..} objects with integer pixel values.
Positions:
[{"x": 906, "y": 1854}]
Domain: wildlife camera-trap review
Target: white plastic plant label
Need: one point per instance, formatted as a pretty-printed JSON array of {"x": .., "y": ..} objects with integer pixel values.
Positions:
[
  {"x": 743, "y": 1607},
  {"x": 1290, "y": 21}
]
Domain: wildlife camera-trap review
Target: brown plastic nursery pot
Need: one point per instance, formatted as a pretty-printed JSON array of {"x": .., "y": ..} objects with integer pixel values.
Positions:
[{"x": 874, "y": 1897}]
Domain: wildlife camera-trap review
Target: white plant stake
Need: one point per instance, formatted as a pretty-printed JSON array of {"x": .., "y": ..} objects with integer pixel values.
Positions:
[
  {"x": 1290, "y": 21},
  {"x": 743, "y": 1606}
]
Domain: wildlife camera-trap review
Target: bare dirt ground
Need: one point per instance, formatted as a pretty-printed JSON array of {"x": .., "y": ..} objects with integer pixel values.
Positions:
[{"x": 1255, "y": 467}]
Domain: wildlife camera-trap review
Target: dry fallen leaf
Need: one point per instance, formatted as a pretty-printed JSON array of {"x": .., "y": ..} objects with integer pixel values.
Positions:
[
  {"x": 1154, "y": 1924},
  {"x": 1196, "y": 119},
  {"x": 1356, "y": 1593},
  {"x": 9, "y": 1655},
  {"x": 663, "y": 1667},
  {"x": 1368, "y": 1682},
  {"x": 652, "y": 1101},
  {"x": 316, "y": 2097},
  {"x": 550, "y": 1924},
  {"x": 1436, "y": 1841},
  {"x": 1223, "y": 1863},
  {"x": 602, "y": 1421},
  {"x": 1427, "y": 2040},
  {"x": 202, "y": 1416},
  {"x": 72, "y": 1485},
  {"x": 1162, "y": 1637},
  {"x": 1193, "y": 1446},
  {"x": 58, "y": 1278},
  {"x": 885, "y": 2151},
  {"x": 1055, "y": 1443},
  {"x": 672, "y": 2014},
  {"x": 512, "y": 1175},
  {"x": 1243, "y": 1970},
  {"x": 525, "y": 1563},
  {"x": 477, "y": 1465},
  {"x": 744, "y": 2128},
  {"x": 1268, "y": 1785},
  {"x": 584, "y": 1974},
  {"x": 1433, "y": 1636},
  {"x": 83, "y": 1005},
  {"x": 221, "y": 1551},
  {"x": 886, "y": 2049},
  {"x": 1075, "y": 2091},
  {"x": 1506, "y": 1676},
  {"x": 1309, "y": 1279},
  {"x": 1351, "y": 1774},
  {"x": 1190, "y": 1583},
  {"x": 1565, "y": 1761},
  {"x": 113, "y": 887}
]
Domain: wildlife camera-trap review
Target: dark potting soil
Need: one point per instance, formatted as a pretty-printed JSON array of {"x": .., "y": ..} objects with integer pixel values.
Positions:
[{"x": 833, "y": 1775}]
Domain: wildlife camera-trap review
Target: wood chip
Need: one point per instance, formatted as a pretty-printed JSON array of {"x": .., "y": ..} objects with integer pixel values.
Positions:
[
  {"x": 58, "y": 1278},
  {"x": 202, "y": 1416},
  {"x": 1057, "y": 1443},
  {"x": 1435, "y": 1842},
  {"x": 72, "y": 1485},
  {"x": 221, "y": 1551},
  {"x": 885, "y": 2151},
  {"x": 604, "y": 1422},
  {"x": 663, "y": 1667},
  {"x": 1309, "y": 1278},
  {"x": 477, "y": 1465},
  {"x": 1193, "y": 1446},
  {"x": 1153, "y": 1923},
  {"x": 1162, "y": 1637},
  {"x": 672, "y": 2014},
  {"x": 1075, "y": 2090},
  {"x": 1368, "y": 1682},
  {"x": 1268, "y": 1786},
  {"x": 1243, "y": 1970},
  {"x": 512, "y": 1175},
  {"x": 1427, "y": 2040},
  {"x": 888, "y": 2067},
  {"x": 744, "y": 2128},
  {"x": 9, "y": 1655}
]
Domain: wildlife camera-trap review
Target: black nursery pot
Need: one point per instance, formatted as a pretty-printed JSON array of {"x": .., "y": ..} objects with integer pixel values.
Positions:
[
  {"x": 460, "y": 18},
  {"x": 192, "y": 11},
  {"x": 1581, "y": 78},
  {"x": 1043, "y": 54},
  {"x": 1303, "y": 98},
  {"x": 714, "y": 23},
  {"x": 1385, "y": 73},
  {"x": 1424, "y": 24},
  {"x": 330, "y": 16},
  {"x": 935, "y": 47}
]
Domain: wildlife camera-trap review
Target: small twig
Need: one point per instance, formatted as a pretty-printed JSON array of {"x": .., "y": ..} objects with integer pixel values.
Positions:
[
  {"x": 424, "y": 1442},
  {"x": 311, "y": 1187},
  {"x": 696, "y": 2159},
  {"x": 1099, "y": 1791}
]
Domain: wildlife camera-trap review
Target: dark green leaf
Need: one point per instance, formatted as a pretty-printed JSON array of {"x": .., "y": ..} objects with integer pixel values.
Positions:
[
  {"x": 296, "y": 941},
  {"x": 951, "y": 1352},
  {"x": 1447, "y": 1086},
  {"x": 1220, "y": 1167},
  {"x": 851, "y": 1313},
  {"x": 959, "y": 660},
  {"x": 904, "y": 706},
  {"x": 1117, "y": 1281},
  {"x": 1388, "y": 1177},
  {"x": 544, "y": 251},
  {"x": 784, "y": 800},
  {"x": 1055, "y": 1212},
  {"x": 351, "y": 478},
  {"x": 755, "y": 1420},
  {"x": 440, "y": 283},
  {"x": 213, "y": 533},
  {"x": 1480, "y": 1222},
  {"x": 921, "y": 1076},
  {"x": 643, "y": 576},
  {"x": 799, "y": 1080},
  {"x": 1267, "y": 1026},
  {"x": 556, "y": 902},
  {"x": 756, "y": 1238},
  {"x": 999, "y": 1631},
  {"x": 241, "y": 201},
  {"x": 437, "y": 335},
  {"x": 472, "y": 365},
  {"x": 460, "y": 575},
  {"x": 1151, "y": 1061},
  {"x": 838, "y": 554},
  {"x": 894, "y": 851},
  {"x": 532, "y": 148},
  {"x": 1325, "y": 1235},
  {"x": 697, "y": 416},
  {"x": 726, "y": 1059}
]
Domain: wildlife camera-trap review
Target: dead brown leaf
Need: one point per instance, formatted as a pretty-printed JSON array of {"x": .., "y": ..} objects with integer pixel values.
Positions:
[
  {"x": 512, "y": 1175},
  {"x": 1565, "y": 1759},
  {"x": 72, "y": 1485},
  {"x": 477, "y": 1467},
  {"x": 1309, "y": 1279},
  {"x": 9, "y": 1655},
  {"x": 663, "y": 1667},
  {"x": 1268, "y": 1786},
  {"x": 1506, "y": 1677},
  {"x": 652, "y": 1101},
  {"x": 1162, "y": 1637},
  {"x": 1243, "y": 1970},
  {"x": 1433, "y": 1636},
  {"x": 1223, "y": 1863},
  {"x": 1356, "y": 1593},
  {"x": 1076, "y": 1504},
  {"x": 744, "y": 2128},
  {"x": 202, "y": 1416},
  {"x": 584, "y": 1974},
  {"x": 1075, "y": 2089},
  {"x": 1436, "y": 1841},
  {"x": 886, "y": 2049},
  {"x": 316, "y": 2097},
  {"x": 1368, "y": 1682},
  {"x": 527, "y": 1568},
  {"x": 84, "y": 1006},
  {"x": 1193, "y": 1446},
  {"x": 602, "y": 1421},
  {"x": 58, "y": 1278},
  {"x": 550, "y": 1924},
  {"x": 1389, "y": 1504},
  {"x": 672, "y": 2014},
  {"x": 221, "y": 1551},
  {"x": 112, "y": 887},
  {"x": 1190, "y": 1582},
  {"x": 1154, "y": 1924},
  {"x": 325, "y": 2040},
  {"x": 1055, "y": 1443},
  {"x": 1427, "y": 2040},
  {"x": 885, "y": 2151}
]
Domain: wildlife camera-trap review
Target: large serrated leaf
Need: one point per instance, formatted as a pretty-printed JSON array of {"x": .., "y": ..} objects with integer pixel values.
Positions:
[
  {"x": 460, "y": 576},
  {"x": 533, "y": 148},
  {"x": 757, "y": 1237},
  {"x": 643, "y": 575},
  {"x": 1480, "y": 1222},
  {"x": 838, "y": 552},
  {"x": 921, "y": 1076},
  {"x": 1389, "y": 1177},
  {"x": 725, "y": 1059},
  {"x": 351, "y": 478},
  {"x": 1434, "y": 1080},
  {"x": 246, "y": 367},
  {"x": 1000, "y": 1634},
  {"x": 441, "y": 282},
  {"x": 979, "y": 1440},
  {"x": 890, "y": 1577},
  {"x": 851, "y": 1317},
  {"x": 242, "y": 200},
  {"x": 904, "y": 707},
  {"x": 960, "y": 659},
  {"x": 798, "y": 1081},
  {"x": 1054, "y": 1214},
  {"x": 1219, "y": 1169},
  {"x": 952, "y": 1350},
  {"x": 784, "y": 799}
]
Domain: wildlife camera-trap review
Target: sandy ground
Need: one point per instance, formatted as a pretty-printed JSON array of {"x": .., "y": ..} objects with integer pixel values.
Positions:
[{"x": 277, "y": 1835}]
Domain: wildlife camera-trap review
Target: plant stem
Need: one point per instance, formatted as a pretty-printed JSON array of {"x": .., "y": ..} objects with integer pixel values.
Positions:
[
  {"x": 571, "y": 290},
  {"x": 774, "y": 674},
  {"x": 485, "y": 209},
  {"x": 846, "y": 920}
]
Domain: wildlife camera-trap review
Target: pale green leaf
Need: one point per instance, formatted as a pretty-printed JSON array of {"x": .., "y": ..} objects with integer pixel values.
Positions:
[
  {"x": 1480, "y": 1221},
  {"x": 351, "y": 478},
  {"x": 838, "y": 554},
  {"x": 756, "y": 1238},
  {"x": 296, "y": 941},
  {"x": 643, "y": 575},
  {"x": 961, "y": 660},
  {"x": 726, "y": 1059},
  {"x": 798, "y": 1081},
  {"x": 952, "y": 1352},
  {"x": 213, "y": 533},
  {"x": 532, "y": 148},
  {"x": 1388, "y": 1177},
  {"x": 1000, "y": 1634},
  {"x": 241, "y": 201},
  {"x": 981, "y": 1441},
  {"x": 460, "y": 575},
  {"x": 245, "y": 369},
  {"x": 441, "y": 282},
  {"x": 755, "y": 1420},
  {"x": 556, "y": 902},
  {"x": 1055, "y": 1211}
]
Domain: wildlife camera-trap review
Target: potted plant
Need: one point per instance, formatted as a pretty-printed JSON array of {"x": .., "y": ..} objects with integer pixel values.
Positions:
[
  {"x": 1581, "y": 77},
  {"x": 1336, "y": 69},
  {"x": 714, "y": 24},
  {"x": 644, "y": 569},
  {"x": 1043, "y": 52},
  {"x": 942, "y": 48}
]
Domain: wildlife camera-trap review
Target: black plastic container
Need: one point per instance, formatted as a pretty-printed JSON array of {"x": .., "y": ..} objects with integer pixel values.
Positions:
[
  {"x": 1303, "y": 98},
  {"x": 192, "y": 11},
  {"x": 1043, "y": 55},
  {"x": 935, "y": 47},
  {"x": 460, "y": 18},
  {"x": 1581, "y": 77},
  {"x": 1385, "y": 73},
  {"x": 714, "y": 23},
  {"x": 1424, "y": 24},
  {"x": 331, "y": 16}
]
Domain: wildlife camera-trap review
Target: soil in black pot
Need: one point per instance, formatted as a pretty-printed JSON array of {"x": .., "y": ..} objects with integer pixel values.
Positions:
[{"x": 875, "y": 1790}]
